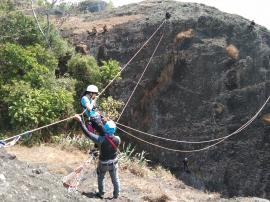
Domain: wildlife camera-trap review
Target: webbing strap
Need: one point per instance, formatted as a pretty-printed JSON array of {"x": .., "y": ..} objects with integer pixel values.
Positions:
[{"x": 109, "y": 139}]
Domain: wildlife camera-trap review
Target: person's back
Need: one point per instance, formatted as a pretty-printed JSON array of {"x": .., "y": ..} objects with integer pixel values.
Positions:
[{"x": 107, "y": 151}]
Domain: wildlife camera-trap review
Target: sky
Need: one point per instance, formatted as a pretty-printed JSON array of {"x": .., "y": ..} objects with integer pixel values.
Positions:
[{"x": 258, "y": 10}]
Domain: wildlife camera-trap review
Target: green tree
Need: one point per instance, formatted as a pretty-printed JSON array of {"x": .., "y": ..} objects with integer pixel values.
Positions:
[
  {"x": 109, "y": 70},
  {"x": 28, "y": 64},
  {"x": 110, "y": 107},
  {"x": 30, "y": 107},
  {"x": 7, "y": 5},
  {"x": 18, "y": 28},
  {"x": 84, "y": 68}
]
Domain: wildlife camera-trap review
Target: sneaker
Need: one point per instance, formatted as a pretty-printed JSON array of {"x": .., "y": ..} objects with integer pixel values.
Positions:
[{"x": 98, "y": 195}]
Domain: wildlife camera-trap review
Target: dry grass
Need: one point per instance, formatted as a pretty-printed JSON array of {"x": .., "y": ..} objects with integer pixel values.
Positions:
[
  {"x": 184, "y": 35},
  {"x": 163, "y": 173},
  {"x": 159, "y": 198},
  {"x": 266, "y": 118},
  {"x": 79, "y": 25},
  {"x": 58, "y": 160},
  {"x": 135, "y": 167},
  {"x": 232, "y": 51},
  {"x": 141, "y": 183}
]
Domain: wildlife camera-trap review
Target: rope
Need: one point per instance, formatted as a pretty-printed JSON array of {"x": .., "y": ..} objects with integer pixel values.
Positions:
[
  {"x": 141, "y": 76},
  {"x": 57, "y": 122},
  {"x": 207, "y": 147},
  {"x": 193, "y": 142},
  {"x": 123, "y": 68},
  {"x": 36, "y": 129}
]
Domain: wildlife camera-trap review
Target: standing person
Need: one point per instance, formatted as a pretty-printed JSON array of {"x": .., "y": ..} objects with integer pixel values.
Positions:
[
  {"x": 88, "y": 102},
  {"x": 108, "y": 160}
]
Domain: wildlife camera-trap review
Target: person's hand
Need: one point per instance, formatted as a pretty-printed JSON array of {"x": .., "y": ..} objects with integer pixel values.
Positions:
[
  {"x": 94, "y": 104},
  {"x": 78, "y": 117}
]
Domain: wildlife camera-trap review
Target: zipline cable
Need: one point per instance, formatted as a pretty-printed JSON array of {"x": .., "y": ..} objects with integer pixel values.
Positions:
[
  {"x": 190, "y": 142},
  {"x": 207, "y": 147},
  {"x": 141, "y": 76},
  {"x": 57, "y": 122},
  {"x": 123, "y": 68}
]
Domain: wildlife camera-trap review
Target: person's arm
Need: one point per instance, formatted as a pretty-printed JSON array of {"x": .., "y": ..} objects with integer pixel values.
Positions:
[
  {"x": 87, "y": 104},
  {"x": 95, "y": 138}
]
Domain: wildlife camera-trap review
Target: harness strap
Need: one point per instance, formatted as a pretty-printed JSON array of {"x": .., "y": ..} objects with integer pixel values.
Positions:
[{"x": 109, "y": 139}]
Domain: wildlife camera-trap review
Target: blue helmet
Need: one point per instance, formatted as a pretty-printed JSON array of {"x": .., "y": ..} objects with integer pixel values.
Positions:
[{"x": 110, "y": 127}]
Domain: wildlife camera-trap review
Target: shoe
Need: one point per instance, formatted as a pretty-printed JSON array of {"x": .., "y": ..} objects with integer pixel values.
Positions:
[
  {"x": 115, "y": 197},
  {"x": 98, "y": 195}
]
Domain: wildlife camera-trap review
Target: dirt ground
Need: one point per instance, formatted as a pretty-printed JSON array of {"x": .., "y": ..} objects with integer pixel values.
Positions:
[{"x": 158, "y": 185}]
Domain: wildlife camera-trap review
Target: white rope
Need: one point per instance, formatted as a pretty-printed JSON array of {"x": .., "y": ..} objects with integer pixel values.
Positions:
[
  {"x": 57, "y": 122},
  {"x": 189, "y": 142},
  {"x": 207, "y": 147},
  {"x": 124, "y": 67},
  {"x": 72, "y": 180},
  {"x": 141, "y": 76}
]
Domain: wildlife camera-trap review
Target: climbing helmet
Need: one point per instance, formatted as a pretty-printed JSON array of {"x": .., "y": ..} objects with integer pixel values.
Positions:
[{"x": 110, "y": 127}]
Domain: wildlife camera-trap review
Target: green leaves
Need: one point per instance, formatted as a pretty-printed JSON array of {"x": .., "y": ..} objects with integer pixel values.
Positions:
[
  {"x": 30, "y": 107},
  {"x": 18, "y": 28},
  {"x": 109, "y": 70},
  {"x": 84, "y": 68},
  {"x": 33, "y": 64},
  {"x": 110, "y": 107}
]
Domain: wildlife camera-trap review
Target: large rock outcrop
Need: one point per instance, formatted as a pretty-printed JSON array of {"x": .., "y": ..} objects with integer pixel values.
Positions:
[{"x": 209, "y": 76}]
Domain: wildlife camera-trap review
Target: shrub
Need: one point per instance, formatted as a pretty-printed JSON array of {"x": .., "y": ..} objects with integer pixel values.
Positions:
[
  {"x": 7, "y": 5},
  {"x": 185, "y": 34},
  {"x": 134, "y": 162},
  {"x": 232, "y": 51},
  {"x": 84, "y": 68},
  {"x": 109, "y": 70},
  {"x": 110, "y": 107},
  {"x": 18, "y": 28},
  {"x": 18, "y": 63},
  {"x": 59, "y": 46},
  {"x": 30, "y": 107},
  {"x": 68, "y": 141}
]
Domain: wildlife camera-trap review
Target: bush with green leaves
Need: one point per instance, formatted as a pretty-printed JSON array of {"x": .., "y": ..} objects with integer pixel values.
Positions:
[
  {"x": 7, "y": 5},
  {"x": 30, "y": 107},
  {"x": 109, "y": 70},
  {"x": 59, "y": 46},
  {"x": 133, "y": 161},
  {"x": 84, "y": 68},
  {"x": 110, "y": 107},
  {"x": 21, "y": 29},
  {"x": 33, "y": 64},
  {"x": 67, "y": 141},
  {"x": 18, "y": 28}
]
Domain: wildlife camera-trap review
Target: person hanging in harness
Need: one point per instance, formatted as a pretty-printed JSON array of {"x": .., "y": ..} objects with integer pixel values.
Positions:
[
  {"x": 108, "y": 161},
  {"x": 94, "y": 119}
]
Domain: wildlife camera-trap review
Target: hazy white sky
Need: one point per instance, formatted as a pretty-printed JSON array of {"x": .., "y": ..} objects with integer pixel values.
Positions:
[{"x": 258, "y": 10}]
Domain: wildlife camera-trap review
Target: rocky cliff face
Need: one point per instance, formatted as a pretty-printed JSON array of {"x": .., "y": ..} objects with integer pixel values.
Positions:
[{"x": 210, "y": 75}]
